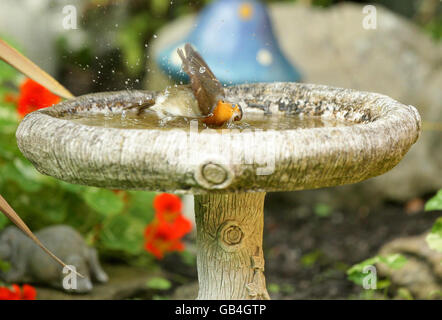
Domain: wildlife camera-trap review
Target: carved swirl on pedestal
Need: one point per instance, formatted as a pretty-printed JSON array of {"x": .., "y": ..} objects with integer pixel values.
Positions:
[
  {"x": 212, "y": 174},
  {"x": 230, "y": 236}
]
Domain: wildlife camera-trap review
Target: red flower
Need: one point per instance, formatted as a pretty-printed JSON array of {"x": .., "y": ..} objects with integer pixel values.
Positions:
[
  {"x": 167, "y": 202},
  {"x": 8, "y": 294},
  {"x": 162, "y": 238},
  {"x": 33, "y": 96},
  {"x": 29, "y": 292},
  {"x": 15, "y": 293},
  {"x": 164, "y": 233}
]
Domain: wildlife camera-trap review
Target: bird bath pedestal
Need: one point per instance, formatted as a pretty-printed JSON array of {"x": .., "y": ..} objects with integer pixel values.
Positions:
[{"x": 229, "y": 173}]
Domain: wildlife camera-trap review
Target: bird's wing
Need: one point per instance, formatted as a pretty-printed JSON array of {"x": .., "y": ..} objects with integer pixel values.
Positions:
[{"x": 205, "y": 86}]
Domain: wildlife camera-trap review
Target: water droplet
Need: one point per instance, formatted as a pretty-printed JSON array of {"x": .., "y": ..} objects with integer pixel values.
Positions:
[
  {"x": 202, "y": 69},
  {"x": 155, "y": 36}
]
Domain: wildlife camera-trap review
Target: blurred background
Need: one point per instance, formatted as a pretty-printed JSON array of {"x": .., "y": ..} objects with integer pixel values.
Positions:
[{"x": 311, "y": 238}]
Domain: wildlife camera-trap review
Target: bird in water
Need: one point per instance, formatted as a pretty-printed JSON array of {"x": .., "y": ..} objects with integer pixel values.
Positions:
[{"x": 204, "y": 98}]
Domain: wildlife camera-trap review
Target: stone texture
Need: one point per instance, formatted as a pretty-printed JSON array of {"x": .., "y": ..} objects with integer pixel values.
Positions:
[
  {"x": 422, "y": 274},
  {"x": 174, "y": 160},
  {"x": 331, "y": 47}
]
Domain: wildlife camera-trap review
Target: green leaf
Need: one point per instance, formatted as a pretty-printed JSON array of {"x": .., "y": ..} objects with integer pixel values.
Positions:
[
  {"x": 8, "y": 146},
  {"x": 130, "y": 39},
  {"x": 435, "y": 294},
  {"x": 393, "y": 261},
  {"x": 141, "y": 205},
  {"x": 54, "y": 209},
  {"x": 159, "y": 283},
  {"x": 322, "y": 210},
  {"x": 273, "y": 288},
  {"x": 8, "y": 126},
  {"x": 123, "y": 232},
  {"x": 405, "y": 294},
  {"x": 28, "y": 171},
  {"x": 309, "y": 259},
  {"x": 382, "y": 284},
  {"x": 23, "y": 176},
  {"x": 434, "y": 238},
  {"x": 103, "y": 201},
  {"x": 8, "y": 73},
  {"x": 8, "y": 114},
  {"x": 74, "y": 188},
  {"x": 434, "y": 203},
  {"x": 188, "y": 258},
  {"x": 356, "y": 274},
  {"x": 3, "y": 221},
  {"x": 434, "y": 27},
  {"x": 4, "y": 266}
]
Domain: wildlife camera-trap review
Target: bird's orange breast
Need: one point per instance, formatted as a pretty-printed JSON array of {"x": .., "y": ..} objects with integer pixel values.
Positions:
[{"x": 222, "y": 113}]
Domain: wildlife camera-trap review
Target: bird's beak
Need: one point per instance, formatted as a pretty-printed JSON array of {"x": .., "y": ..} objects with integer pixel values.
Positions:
[{"x": 237, "y": 113}]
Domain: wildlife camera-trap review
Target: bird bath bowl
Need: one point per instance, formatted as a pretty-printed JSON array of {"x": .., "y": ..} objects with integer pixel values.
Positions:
[{"x": 298, "y": 137}]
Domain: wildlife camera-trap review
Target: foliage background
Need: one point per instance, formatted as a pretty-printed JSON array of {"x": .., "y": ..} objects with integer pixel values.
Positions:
[{"x": 111, "y": 67}]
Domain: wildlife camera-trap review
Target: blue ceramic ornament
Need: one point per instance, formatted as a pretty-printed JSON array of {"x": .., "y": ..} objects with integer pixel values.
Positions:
[{"x": 236, "y": 39}]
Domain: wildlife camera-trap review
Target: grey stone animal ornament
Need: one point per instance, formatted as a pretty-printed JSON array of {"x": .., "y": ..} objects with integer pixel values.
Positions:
[
  {"x": 29, "y": 264},
  {"x": 7, "y": 210}
]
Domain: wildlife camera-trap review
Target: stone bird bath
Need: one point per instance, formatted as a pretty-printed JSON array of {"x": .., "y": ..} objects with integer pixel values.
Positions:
[{"x": 361, "y": 135}]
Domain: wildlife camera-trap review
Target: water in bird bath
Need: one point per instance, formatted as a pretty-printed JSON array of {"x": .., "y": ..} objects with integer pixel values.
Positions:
[{"x": 149, "y": 120}]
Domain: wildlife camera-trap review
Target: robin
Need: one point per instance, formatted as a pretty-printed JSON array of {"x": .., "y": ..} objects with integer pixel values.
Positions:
[{"x": 203, "y": 98}]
